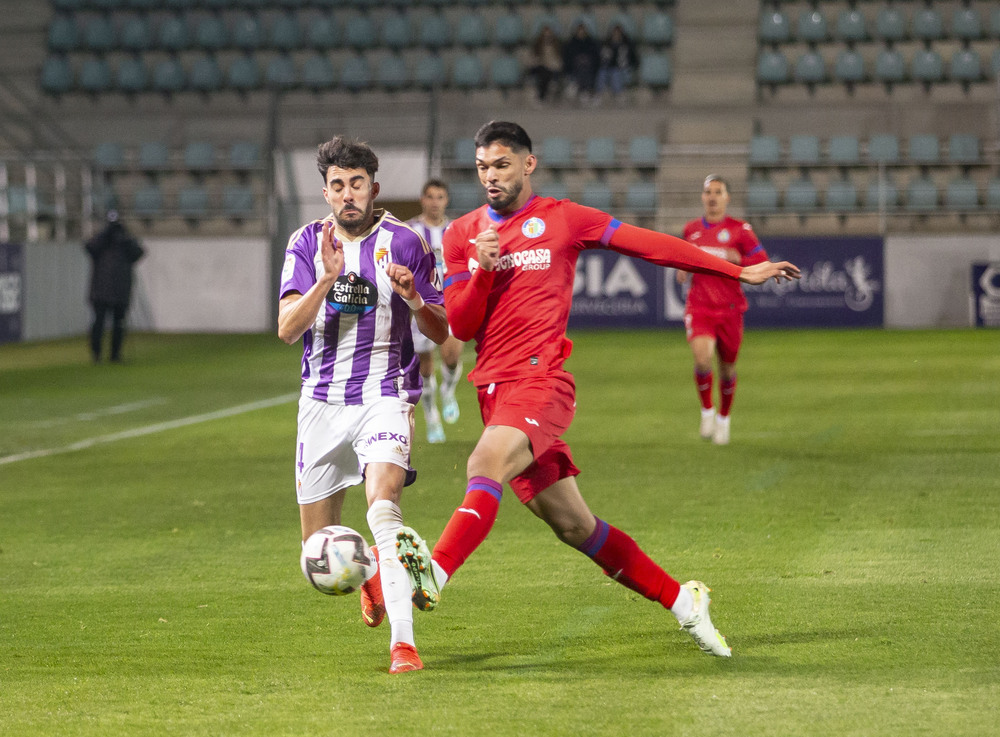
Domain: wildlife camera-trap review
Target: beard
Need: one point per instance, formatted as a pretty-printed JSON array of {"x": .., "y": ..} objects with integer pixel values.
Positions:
[
  {"x": 359, "y": 222},
  {"x": 506, "y": 198}
]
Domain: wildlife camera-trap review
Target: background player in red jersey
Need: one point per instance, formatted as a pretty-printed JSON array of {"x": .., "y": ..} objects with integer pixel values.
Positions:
[
  {"x": 510, "y": 269},
  {"x": 713, "y": 316}
]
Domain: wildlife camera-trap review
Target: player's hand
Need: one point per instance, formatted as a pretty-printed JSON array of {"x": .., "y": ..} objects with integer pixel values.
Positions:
[
  {"x": 331, "y": 251},
  {"x": 402, "y": 280},
  {"x": 488, "y": 248},
  {"x": 760, "y": 273}
]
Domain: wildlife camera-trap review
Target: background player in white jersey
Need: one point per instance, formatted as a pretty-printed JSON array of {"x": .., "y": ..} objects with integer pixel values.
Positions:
[
  {"x": 431, "y": 224},
  {"x": 349, "y": 286}
]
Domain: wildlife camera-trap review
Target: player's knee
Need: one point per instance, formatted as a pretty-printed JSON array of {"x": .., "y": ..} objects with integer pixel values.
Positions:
[{"x": 571, "y": 533}]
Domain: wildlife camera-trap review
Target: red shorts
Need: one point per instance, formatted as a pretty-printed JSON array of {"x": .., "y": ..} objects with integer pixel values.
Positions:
[
  {"x": 726, "y": 328},
  {"x": 542, "y": 408}
]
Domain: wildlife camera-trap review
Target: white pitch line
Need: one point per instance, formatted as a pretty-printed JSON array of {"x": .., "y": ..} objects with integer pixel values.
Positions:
[{"x": 139, "y": 432}]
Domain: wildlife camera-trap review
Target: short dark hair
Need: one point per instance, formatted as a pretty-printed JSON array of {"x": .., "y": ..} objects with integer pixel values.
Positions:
[
  {"x": 508, "y": 134},
  {"x": 715, "y": 178},
  {"x": 439, "y": 183},
  {"x": 347, "y": 153}
]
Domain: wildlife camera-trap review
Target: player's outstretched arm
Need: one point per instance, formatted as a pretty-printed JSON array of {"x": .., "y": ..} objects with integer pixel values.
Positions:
[{"x": 760, "y": 273}]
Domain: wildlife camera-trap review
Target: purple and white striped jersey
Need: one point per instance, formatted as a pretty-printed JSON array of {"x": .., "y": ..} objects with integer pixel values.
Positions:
[
  {"x": 359, "y": 348},
  {"x": 433, "y": 234}
]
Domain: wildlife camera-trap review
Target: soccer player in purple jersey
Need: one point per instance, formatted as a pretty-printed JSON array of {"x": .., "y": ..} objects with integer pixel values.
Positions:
[{"x": 349, "y": 286}]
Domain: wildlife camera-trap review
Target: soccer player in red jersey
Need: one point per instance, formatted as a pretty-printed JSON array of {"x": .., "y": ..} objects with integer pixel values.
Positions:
[
  {"x": 510, "y": 267},
  {"x": 713, "y": 316}
]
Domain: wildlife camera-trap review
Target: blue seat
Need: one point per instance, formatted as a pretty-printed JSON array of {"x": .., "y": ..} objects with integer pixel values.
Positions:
[
  {"x": 890, "y": 24},
  {"x": 131, "y": 76},
  {"x": 136, "y": 34},
  {"x": 921, "y": 195},
  {"x": 508, "y": 30},
  {"x": 153, "y": 156},
  {"x": 63, "y": 34},
  {"x": 99, "y": 34},
  {"x": 890, "y": 67},
  {"x": 322, "y": 33},
  {"x": 392, "y": 73},
  {"x": 841, "y": 196},
  {"x": 470, "y": 30},
  {"x": 657, "y": 28},
  {"x": 962, "y": 194},
  {"x": 762, "y": 196},
  {"x": 811, "y": 27},
  {"x": 247, "y": 33},
  {"x": 318, "y": 73},
  {"x": 764, "y": 150},
  {"x": 844, "y": 151},
  {"x": 644, "y": 151},
  {"x": 465, "y": 196},
  {"x": 772, "y": 68},
  {"x": 655, "y": 70},
  {"x": 356, "y": 74},
  {"x": 285, "y": 33},
  {"x": 852, "y": 27},
  {"x": 244, "y": 155},
  {"x": 435, "y": 32},
  {"x": 467, "y": 72},
  {"x": 95, "y": 76},
  {"x": 173, "y": 35},
  {"x": 109, "y": 155},
  {"x": 280, "y": 74},
  {"x": 596, "y": 194},
  {"x": 192, "y": 201},
  {"x": 992, "y": 200},
  {"x": 810, "y": 69},
  {"x": 210, "y": 34},
  {"x": 773, "y": 27},
  {"x": 238, "y": 201},
  {"x": 849, "y": 67},
  {"x": 360, "y": 33},
  {"x": 963, "y": 148},
  {"x": 803, "y": 150},
  {"x": 429, "y": 71},
  {"x": 882, "y": 194},
  {"x": 599, "y": 152},
  {"x": 464, "y": 151},
  {"x": 206, "y": 75},
  {"x": 244, "y": 74},
  {"x": 883, "y": 148},
  {"x": 397, "y": 33},
  {"x": 505, "y": 72},
  {"x": 927, "y": 24},
  {"x": 995, "y": 63},
  {"x": 147, "y": 201},
  {"x": 556, "y": 151},
  {"x": 924, "y": 149},
  {"x": 965, "y": 66},
  {"x": 966, "y": 24},
  {"x": 995, "y": 23},
  {"x": 801, "y": 196},
  {"x": 641, "y": 197},
  {"x": 927, "y": 67}
]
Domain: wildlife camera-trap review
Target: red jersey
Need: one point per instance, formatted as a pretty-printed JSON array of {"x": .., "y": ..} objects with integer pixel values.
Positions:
[
  {"x": 519, "y": 311},
  {"x": 709, "y": 293}
]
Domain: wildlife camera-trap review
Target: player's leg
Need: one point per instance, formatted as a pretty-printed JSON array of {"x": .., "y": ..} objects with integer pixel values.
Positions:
[
  {"x": 424, "y": 348},
  {"x": 97, "y": 330},
  {"x": 730, "y": 337},
  {"x": 701, "y": 339},
  {"x": 451, "y": 372},
  {"x": 117, "y": 332},
  {"x": 317, "y": 515}
]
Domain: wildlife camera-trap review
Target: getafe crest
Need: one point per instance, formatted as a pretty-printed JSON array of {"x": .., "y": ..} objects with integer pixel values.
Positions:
[{"x": 533, "y": 227}]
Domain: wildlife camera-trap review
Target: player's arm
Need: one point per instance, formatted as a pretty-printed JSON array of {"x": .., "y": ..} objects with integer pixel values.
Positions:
[
  {"x": 296, "y": 311},
  {"x": 668, "y": 250},
  {"x": 465, "y": 291},
  {"x": 431, "y": 319}
]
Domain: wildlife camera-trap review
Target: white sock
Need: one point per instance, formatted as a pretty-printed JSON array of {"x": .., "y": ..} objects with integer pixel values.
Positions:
[
  {"x": 683, "y": 605},
  {"x": 429, "y": 399},
  {"x": 449, "y": 378},
  {"x": 385, "y": 520},
  {"x": 440, "y": 577}
]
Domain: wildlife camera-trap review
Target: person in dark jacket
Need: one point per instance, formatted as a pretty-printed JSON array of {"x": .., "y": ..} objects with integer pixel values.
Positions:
[
  {"x": 619, "y": 61},
  {"x": 113, "y": 253},
  {"x": 581, "y": 55}
]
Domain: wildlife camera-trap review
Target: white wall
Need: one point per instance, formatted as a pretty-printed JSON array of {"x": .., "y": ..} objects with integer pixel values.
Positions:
[{"x": 927, "y": 278}]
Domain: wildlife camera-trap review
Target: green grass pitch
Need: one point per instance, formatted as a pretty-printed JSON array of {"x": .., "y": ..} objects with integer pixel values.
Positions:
[{"x": 149, "y": 580}]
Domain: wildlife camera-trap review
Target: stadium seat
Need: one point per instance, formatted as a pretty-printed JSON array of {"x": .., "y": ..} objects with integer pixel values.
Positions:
[
  {"x": 810, "y": 69},
  {"x": 883, "y": 148},
  {"x": 995, "y": 23},
  {"x": 772, "y": 68},
  {"x": 435, "y": 33},
  {"x": 851, "y": 26},
  {"x": 135, "y": 34},
  {"x": 773, "y": 26},
  {"x": 803, "y": 150},
  {"x": 508, "y": 30},
  {"x": 849, "y": 68},
  {"x": 168, "y": 76},
  {"x": 131, "y": 77},
  {"x": 360, "y": 33},
  {"x": 655, "y": 71},
  {"x": 355, "y": 75},
  {"x": 318, "y": 73},
  {"x": 247, "y": 33},
  {"x": 64, "y": 34},
  {"x": 392, "y": 73},
  {"x": 173, "y": 35},
  {"x": 98, "y": 35},
  {"x": 244, "y": 74},
  {"x": 927, "y": 25},
  {"x": 881, "y": 194},
  {"x": 965, "y": 67},
  {"x": 244, "y": 155},
  {"x": 397, "y": 33},
  {"x": 465, "y": 196},
  {"x": 890, "y": 67},
  {"x": 811, "y": 27},
  {"x": 206, "y": 75},
  {"x": 237, "y": 201},
  {"x": 467, "y": 72},
  {"x": 963, "y": 148},
  {"x": 927, "y": 67},
  {"x": 285, "y": 33},
  {"x": 966, "y": 24},
  {"x": 322, "y": 33},
  {"x": 210, "y": 33},
  {"x": 596, "y": 194},
  {"x": 841, "y": 196},
  {"x": 464, "y": 151},
  {"x": 95, "y": 76},
  {"x": 505, "y": 72},
  {"x": 844, "y": 151},
  {"x": 109, "y": 155},
  {"x": 962, "y": 195},
  {"x": 762, "y": 196},
  {"x": 280, "y": 74},
  {"x": 801, "y": 196},
  {"x": 641, "y": 197},
  {"x": 924, "y": 149},
  {"x": 995, "y": 63},
  {"x": 644, "y": 151},
  {"x": 192, "y": 202},
  {"x": 992, "y": 200},
  {"x": 921, "y": 195},
  {"x": 429, "y": 71},
  {"x": 657, "y": 28},
  {"x": 153, "y": 156},
  {"x": 470, "y": 30},
  {"x": 147, "y": 201},
  {"x": 764, "y": 150},
  {"x": 599, "y": 152},
  {"x": 556, "y": 151},
  {"x": 890, "y": 24}
]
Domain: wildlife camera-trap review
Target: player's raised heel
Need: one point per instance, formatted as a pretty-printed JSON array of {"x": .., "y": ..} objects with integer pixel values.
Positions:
[
  {"x": 699, "y": 624},
  {"x": 413, "y": 553},
  {"x": 372, "y": 602}
]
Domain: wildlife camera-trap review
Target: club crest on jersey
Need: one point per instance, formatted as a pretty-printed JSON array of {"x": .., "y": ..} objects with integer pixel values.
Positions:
[
  {"x": 383, "y": 256},
  {"x": 352, "y": 294},
  {"x": 533, "y": 227},
  {"x": 723, "y": 236}
]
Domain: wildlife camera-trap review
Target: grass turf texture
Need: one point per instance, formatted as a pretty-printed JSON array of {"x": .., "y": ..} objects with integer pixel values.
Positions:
[{"x": 150, "y": 585}]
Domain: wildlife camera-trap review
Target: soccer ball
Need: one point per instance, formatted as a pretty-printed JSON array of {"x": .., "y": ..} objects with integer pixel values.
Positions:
[{"x": 336, "y": 560}]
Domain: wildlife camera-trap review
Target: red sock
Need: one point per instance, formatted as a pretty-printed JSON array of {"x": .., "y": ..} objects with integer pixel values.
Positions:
[
  {"x": 728, "y": 390},
  {"x": 623, "y": 560},
  {"x": 704, "y": 384},
  {"x": 469, "y": 525}
]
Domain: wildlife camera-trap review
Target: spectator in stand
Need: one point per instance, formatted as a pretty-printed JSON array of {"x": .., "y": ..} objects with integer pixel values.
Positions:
[
  {"x": 546, "y": 63},
  {"x": 619, "y": 61},
  {"x": 581, "y": 56}
]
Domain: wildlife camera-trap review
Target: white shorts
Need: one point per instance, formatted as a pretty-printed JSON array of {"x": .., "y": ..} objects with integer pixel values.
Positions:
[{"x": 336, "y": 442}]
